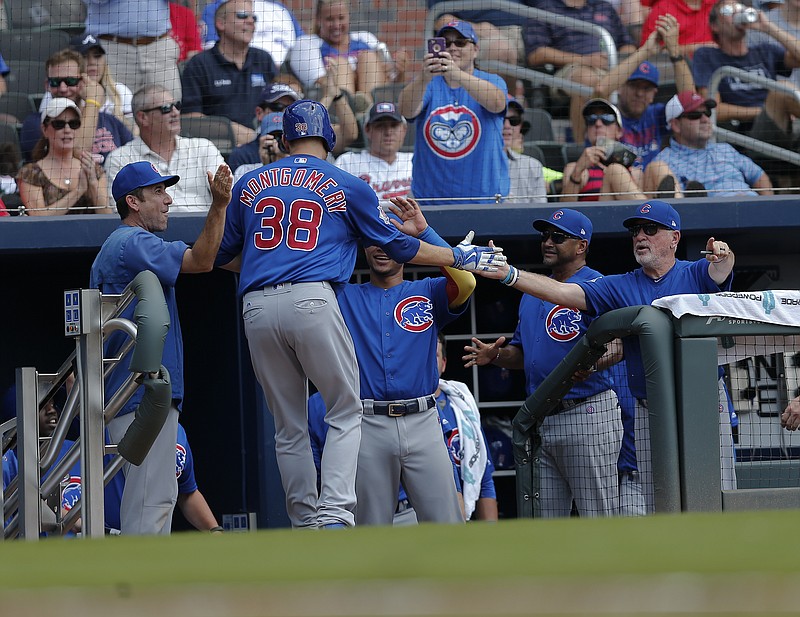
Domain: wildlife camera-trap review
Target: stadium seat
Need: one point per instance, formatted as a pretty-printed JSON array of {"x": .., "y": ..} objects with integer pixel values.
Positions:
[
  {"x": 572, "y": 152},
  {"x": 64, "y": 14},
  {"x": 541, "y": 125},
  {"x": 32, "y": 44},
  {"x": 26, "y": 76},
  {"x": 15, "y": 107},
  {"x": 553, "y": 152},
  {"x": 217, "y": 129},
  {"x": 10, "y": 135},
  {"x": 389, "y": 92},
  {"x": 531, "y": 149}
]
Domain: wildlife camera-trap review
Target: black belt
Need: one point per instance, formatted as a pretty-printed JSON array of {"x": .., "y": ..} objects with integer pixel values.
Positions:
[
  {"x": 569, "y": 403},
  {"x": 396, "y": 409},
  {"x": 136, "y": 41}
]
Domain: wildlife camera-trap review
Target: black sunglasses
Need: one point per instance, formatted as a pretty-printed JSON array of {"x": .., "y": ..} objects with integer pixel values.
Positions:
[
  {"x": 245, "y": 15},
  {"x": 276, "y": 107},
  {"x": 514, "y": 120},
  {"x": 695, "y": 115},
  {"x": 607, "y": 119},
  {"x": 70, "y": 81},
  {"x": 558, "y": 237},
  {"x": 60, "y": 124},
  {"x": 457, "y": 42},
  {"x": 165, "y": 108},
  {"x": 650, "y": 229}
]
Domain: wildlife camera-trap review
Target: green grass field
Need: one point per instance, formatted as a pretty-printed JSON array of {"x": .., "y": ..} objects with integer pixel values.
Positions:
[{"x": 699, "y": 564}]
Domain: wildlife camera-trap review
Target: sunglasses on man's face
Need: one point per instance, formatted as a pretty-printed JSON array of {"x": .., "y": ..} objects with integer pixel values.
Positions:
[
  {"x": 245, "y": 15},
  {"x": 649, "y": 229},
  {"x": 514, "y": 120},
  {"x": 457, "y": 42},
  {"x": 60, "y": 124},
  {"x": 695, "y": 115},
  {"x": 165, "y": 108},
  {"x": 558, "y": 237},
  {"x": 607, "y": 119},
  {"x": 55, "y": 82}
]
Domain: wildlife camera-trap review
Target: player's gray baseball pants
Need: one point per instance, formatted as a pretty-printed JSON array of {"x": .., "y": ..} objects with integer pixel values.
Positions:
[
  {"x": 578, "y": 457},
  {"x": 297, "y": 331},
  {"x": 407, "y": 449},
  {"x": 151, "y": 489}
]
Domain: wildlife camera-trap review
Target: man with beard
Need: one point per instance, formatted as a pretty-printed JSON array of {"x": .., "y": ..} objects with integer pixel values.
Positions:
[{"x": 655, "y": 233}]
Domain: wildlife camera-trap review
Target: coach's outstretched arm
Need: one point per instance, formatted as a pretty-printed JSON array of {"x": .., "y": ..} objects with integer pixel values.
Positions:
[
  {"x": 200, "y": 258},
  {"x": 543, "y": 287}
]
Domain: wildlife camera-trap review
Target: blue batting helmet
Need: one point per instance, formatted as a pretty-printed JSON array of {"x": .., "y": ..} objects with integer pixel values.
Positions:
[{"x": 308, "y": 119}]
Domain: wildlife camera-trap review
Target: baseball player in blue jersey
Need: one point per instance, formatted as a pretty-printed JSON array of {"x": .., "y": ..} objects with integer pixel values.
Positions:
[
  {"x": 466, "y": 443},
  {"x": 655, "y": 232},
  {"x": 292, "y": 232},
  {"x": 394, "y": 325},
  {"x": 580, "y": 443},
  {"x": 140, "y": 192}
]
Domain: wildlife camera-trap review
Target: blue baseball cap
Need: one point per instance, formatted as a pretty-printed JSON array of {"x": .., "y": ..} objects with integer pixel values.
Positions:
[
  {"x": 138, "y": 175},
  {"x": 646, "y": 71},
  {"x": 569, "y": 221},
  {"x": 464, "y": 28},
  {"x": 271, "y": 123},
  {"x": 658, "y": 212}
]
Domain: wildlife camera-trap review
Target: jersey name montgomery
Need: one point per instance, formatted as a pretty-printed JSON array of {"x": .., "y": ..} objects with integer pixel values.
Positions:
[{"x": 312, "y": 179}]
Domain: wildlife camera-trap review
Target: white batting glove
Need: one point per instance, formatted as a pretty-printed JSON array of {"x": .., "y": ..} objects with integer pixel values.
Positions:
[{"x": 474, "y": 258}]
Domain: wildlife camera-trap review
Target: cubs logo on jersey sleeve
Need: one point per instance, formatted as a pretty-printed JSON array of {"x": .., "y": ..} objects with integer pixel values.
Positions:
[
  {"x": 563, "y": 323},
  {"x": 180, "y": 460},
  {"x": 452, "y": 131},
  {"x": 414, "y": 314},
  {"x": 72, "y": 493}
]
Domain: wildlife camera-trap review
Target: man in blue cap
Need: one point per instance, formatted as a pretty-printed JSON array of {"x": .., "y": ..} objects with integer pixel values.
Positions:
[
  {"x": 644, "y": 126},
  {"x": 655, "y": 229},
  {"x": 140, "y": 193},
  {"x": 579, "y": 444}
]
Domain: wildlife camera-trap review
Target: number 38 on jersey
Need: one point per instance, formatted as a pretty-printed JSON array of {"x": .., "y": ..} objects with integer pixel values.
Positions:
[{"x": 296, "y": 225}]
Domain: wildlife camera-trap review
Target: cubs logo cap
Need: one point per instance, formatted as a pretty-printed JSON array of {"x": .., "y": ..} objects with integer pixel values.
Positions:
[
  {"x": 657, "y": 212},
  {"x": 646, "y": 71},
  {"x": 138, "y": 175},
  {"x": 271, "y": 123},
  {"x": 686, "y": 101},
  {"x": 464, "y": 28},
  {"x": 384, "y": 109},
  {"x": 569, "y": 221}
]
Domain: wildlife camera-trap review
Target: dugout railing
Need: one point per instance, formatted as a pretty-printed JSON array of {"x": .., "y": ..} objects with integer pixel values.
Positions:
[
  {"x": 31, "y": 502},
  {"x": 682, "y": 353}
]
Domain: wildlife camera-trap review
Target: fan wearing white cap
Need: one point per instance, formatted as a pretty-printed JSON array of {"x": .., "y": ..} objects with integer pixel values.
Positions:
[
  {"x": 62, "y": 180},
  {"x": 692, "y": 162},
  {"x": 596, "y": 175}
]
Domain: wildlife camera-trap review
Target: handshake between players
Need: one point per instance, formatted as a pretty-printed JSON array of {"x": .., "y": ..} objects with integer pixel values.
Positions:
[{"x": 466, "y": 256}]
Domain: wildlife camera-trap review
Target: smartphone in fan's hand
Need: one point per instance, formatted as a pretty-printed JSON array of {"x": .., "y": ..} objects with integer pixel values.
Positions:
[{"x": 436, "y": 46}]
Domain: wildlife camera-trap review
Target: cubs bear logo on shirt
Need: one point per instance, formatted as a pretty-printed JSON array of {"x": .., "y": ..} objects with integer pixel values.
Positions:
[
  {"x": 414, "y": 314},
  {"x": 563, "y": 323},
  {"x": 452, "y": 131},
  {"x": 180, "y": 459}
]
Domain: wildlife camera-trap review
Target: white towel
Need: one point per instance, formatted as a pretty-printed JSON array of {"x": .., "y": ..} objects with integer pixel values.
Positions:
[{"x": 473, "y": 457}]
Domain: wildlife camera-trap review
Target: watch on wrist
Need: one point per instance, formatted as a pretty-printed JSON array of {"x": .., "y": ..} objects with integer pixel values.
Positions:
[{"x": 677, "y": 58}]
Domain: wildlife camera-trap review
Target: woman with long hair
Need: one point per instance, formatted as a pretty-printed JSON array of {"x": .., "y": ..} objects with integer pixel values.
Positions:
[{"x": 62, "y": 180}]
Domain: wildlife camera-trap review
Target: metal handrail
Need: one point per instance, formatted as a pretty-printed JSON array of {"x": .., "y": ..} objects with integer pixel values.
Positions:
[
  {"x": 745, "y": 140},
  {"x": 607, "y": 43}
]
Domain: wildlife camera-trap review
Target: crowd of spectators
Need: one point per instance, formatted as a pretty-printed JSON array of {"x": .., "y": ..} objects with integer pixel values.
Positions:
[{"x": 225, "y": 59}]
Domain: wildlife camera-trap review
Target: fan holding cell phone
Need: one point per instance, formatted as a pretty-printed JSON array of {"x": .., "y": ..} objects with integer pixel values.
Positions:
[{"x": 602, "y": 170}]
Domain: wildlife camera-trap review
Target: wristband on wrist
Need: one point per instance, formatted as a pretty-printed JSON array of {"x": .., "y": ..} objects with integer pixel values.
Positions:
[
  {"x": 92, "y": 102},
  {"x": 677, "y": 58},
  {"x": 338, "y": 96},
  {"x": 512, "y": 277},
  {"x": 216, "y": 529},
  {"x": 573, "y": 180}
]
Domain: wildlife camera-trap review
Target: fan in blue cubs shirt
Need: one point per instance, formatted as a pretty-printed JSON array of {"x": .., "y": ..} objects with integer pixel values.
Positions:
[
  {"x": 655, "y": 232},
  {"x": 458, "y": 111},
  {"x": 292, "y": 232}
]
